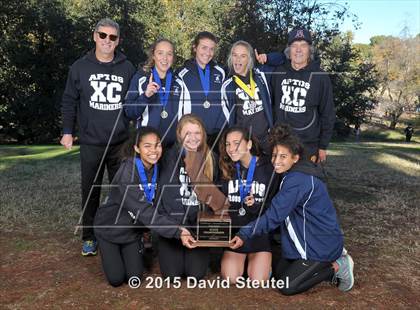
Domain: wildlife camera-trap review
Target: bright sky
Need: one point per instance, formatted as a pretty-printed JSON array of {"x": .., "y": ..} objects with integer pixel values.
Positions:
[{"x": 385, "y": 17}]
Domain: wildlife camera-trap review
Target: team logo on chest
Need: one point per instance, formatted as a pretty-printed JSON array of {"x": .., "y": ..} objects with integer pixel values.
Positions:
[
  {"x": 294, "y": 95},
  {"x": 257, "y": 190},
  {"x": 217, "y": 78},
  {"x": 188, "y": 196},
  {"x": 176, "y": 90},
  {"x": 250, "y": 106},
  {"x": 107, "y": 90}
]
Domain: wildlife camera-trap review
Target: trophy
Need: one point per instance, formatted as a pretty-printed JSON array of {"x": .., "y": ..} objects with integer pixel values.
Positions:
[
  {"x": 214, "y": 226},
  {"x": 213, "y": 230}
]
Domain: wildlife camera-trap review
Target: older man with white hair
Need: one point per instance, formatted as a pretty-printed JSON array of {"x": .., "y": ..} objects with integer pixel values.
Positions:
[{"x": 303, "y": 96}]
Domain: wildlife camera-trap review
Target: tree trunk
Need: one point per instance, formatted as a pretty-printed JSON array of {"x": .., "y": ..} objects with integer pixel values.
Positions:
[{"x": 393, "y": 124}]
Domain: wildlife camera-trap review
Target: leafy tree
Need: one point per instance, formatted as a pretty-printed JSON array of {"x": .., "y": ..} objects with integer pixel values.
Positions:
[
  {"x": 397, "y": 61},
  {"x": 266, "y": 23},
  {"x": 41, "y": 39},
  {"x": 354, "y": 80},
  {"x": 35, "y": 50},
  {"x": 181, "y": 20}
]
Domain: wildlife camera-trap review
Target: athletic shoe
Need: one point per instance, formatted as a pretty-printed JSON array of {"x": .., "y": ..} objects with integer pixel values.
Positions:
[
  {"x": 89, "y": 248},
  {"x": 345, "y": 273}
]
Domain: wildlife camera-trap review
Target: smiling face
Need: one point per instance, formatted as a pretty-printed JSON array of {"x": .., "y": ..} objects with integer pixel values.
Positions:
[
  {"x": 237, "y": 148},
  {"x": 149, "y": 150},
  {"x": 204, "y": 51},
  {"x": 163, "y": 57},
  {"x": 240, "y": 60},
  {"x": 191, "y": 136},
  {"x": 105, "y": 47},
  {"x": 300, "y": 52},
  {"x": 282, "y": 159}
]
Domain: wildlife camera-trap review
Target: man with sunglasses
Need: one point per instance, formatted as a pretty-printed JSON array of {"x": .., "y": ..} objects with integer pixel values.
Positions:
[{"x": 96, "y": 87}]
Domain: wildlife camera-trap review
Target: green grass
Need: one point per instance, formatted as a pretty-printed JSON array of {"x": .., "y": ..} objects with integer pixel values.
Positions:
[
  {"x": 41, "y": 184},
  {"x": 374, "y": 186},
  {"x": 40, "y": 187},
  {"x": 378, "y": 130}
]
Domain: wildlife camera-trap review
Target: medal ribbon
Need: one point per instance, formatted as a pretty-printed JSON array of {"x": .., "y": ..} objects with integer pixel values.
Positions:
[
  {"x": 205, "y": 79},
  {"x": 163, "y": 95},
  {"x": 244, "y": 189},
  {"x": 249, "y": 91},
  {"x": 149, "y": 190}
]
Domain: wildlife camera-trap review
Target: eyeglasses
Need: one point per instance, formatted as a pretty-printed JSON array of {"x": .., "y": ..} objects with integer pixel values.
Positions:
[{"x": 103, "y": 36}]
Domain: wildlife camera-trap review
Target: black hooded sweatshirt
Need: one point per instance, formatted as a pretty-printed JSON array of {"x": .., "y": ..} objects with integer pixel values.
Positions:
[
  {"x": 304, "y": 100},
  {"x": 263, "y": 184},
  {"x": 126, "y": 212},
  {"x": 176, "y": 197},
  {"x": 95, "y": 92}
]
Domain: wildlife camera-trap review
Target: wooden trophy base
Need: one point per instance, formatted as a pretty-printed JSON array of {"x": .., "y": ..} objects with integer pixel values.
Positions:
[{"x": 213, "y": 230}]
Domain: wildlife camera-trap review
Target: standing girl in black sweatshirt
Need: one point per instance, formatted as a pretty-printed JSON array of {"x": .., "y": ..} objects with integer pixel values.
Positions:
[{"x": 129, "y": 209}]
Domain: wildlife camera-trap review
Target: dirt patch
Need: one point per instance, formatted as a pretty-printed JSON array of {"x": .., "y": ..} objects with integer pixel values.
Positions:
[{"x": 45, "y": 272}]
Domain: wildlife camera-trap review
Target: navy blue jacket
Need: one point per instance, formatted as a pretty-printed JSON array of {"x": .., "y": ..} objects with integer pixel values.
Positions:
[
  {"x": 192, "y": 95},
  {"x": 263, "y": 83},
  {"x": 305, "y": 213},
  {"x": 147, "y": 110}
]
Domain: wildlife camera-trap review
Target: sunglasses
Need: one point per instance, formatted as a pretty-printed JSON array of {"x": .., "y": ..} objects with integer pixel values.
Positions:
[{"x": 103, "y": 36}]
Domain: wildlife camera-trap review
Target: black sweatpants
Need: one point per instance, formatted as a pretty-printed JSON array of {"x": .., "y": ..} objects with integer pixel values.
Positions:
[
  {"x": 91, "y": 157},
  {"x": 120, "y": 262},
  {"x": 302, "y": 274},
  {"x": 176, "y": 260}
]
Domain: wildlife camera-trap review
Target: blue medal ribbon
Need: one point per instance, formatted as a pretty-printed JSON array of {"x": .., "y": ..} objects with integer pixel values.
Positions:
[
  {"x": 149, "y": 190},
  {"x": 163, "y": 94},
  {"x": 244, "y": 189},
  {"x": 205, "y": 79}
]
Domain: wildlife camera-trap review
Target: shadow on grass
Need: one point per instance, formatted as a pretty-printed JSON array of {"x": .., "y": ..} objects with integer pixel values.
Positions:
[{"x": 358, "y": 171}]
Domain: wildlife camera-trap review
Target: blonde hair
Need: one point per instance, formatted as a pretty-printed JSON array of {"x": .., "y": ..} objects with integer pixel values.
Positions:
[
  {"x": 250, "y": 53},
  {"x": 193, "y": 119},
  {"x": 149, "y": 64}
]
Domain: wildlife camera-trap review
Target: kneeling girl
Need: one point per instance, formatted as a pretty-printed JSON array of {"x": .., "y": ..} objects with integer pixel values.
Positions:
[
  {"x": 180, "y": 201},
  {"x": 246, "y": 178},
  {"x": 312, "y": 241},
  {"x": 129, "y": 208}
]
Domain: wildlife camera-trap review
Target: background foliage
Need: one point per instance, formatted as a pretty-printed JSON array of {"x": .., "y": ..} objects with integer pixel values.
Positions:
[{"x": 42, "y": 38}]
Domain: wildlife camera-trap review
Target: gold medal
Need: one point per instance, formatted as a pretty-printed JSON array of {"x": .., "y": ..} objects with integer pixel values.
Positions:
[{"x": 249, "y": 90}]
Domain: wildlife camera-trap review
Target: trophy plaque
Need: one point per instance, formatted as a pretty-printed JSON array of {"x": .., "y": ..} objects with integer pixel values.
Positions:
[{"x": 213, "y": 230}]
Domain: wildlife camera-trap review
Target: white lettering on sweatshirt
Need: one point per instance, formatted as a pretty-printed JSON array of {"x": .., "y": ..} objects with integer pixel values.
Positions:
[
  {"x": 257, "y": 190},
  {"x": 294, "y": 95},
  {"x": 188, "y": 196},
  {"x": 107, "y": 90}
]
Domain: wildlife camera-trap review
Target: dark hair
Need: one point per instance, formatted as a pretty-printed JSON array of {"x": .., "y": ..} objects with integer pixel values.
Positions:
[
  {"x": 107, "y": 22},
  {"x": 225, "y": 162},
  {"x": 202, "y": 35},
  {"x": 127, "y": 150},
  {"x": 283, "y": 135},
  {"x": 148, "y": 65}
]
